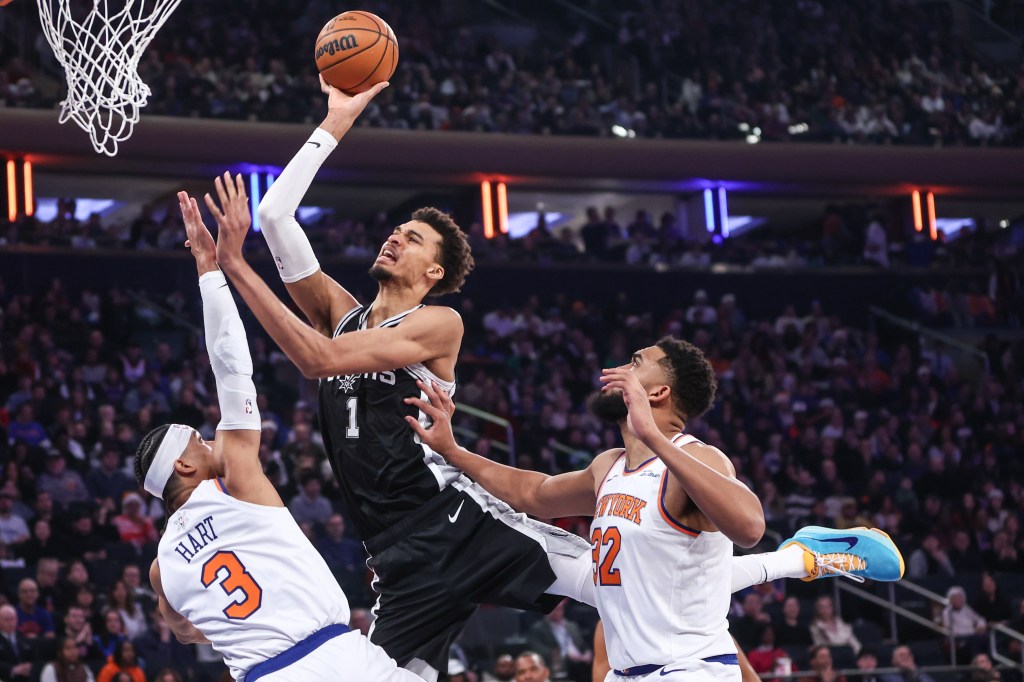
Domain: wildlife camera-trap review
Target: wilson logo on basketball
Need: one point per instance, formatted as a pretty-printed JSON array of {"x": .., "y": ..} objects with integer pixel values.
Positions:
[{"x": 337, "y": 45}]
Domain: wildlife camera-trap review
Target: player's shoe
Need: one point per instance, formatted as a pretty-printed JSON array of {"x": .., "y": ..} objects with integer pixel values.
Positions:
[{"x": 857, "y": 553}]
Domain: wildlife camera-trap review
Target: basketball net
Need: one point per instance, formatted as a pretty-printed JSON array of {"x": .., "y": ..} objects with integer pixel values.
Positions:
[{"x": 100, "y": 55}]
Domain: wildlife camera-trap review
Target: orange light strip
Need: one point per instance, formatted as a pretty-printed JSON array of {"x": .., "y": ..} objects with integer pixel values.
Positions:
[
  {"x": 12, "y": 193},
  {"x": 915, "y": 199},
  {"x": 485, "y": 199},
  {"x": 932, "y": 229},
  {"x": 502, "y": 208},
  {"x": 29, "y": 198}
]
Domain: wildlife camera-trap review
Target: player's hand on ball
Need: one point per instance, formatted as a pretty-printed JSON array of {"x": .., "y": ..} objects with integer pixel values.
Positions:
[
  {"x": 342, "y": 109},
  {"x": 198, "y": 238},
  {"x": 640, "y": 421},
  {"x": 232, "y": 216},
  {"x": 438, "y": 436}
]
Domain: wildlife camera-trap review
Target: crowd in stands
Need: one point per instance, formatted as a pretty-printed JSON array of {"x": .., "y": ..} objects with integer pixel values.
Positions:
[
  {"x": 871, "y": 72},
  {"x": 830, "y": 425}
]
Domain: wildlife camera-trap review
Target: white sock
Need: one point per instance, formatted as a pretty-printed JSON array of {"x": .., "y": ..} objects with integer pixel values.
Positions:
[{"x": 754, "y": 569}]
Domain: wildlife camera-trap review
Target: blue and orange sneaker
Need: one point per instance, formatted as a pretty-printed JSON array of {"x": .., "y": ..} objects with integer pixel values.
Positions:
[{"x": 856, "y": 553}]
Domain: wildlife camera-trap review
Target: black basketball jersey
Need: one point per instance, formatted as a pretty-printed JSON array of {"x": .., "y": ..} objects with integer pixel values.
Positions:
[{"x": 383, "y": 469}]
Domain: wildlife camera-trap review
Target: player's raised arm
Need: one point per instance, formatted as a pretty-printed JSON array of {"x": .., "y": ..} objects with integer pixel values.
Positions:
[
  {"x": 238, "y": 433},
  {"x": 705, "y": 474},
  {"x": 570, "y": 494},
  {"x": 321, "y": 299}
]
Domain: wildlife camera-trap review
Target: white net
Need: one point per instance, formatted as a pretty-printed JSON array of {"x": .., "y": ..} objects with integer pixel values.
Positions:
[{"x": 100, "y": 52}]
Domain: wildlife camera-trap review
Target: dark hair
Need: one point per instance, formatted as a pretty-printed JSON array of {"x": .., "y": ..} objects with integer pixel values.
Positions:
[
  {"x": 693, "y": 377},
  {"x": 454, "y": 254},
  {"x": 146, "y": 451},
  {"x": 118, "y": 654}
]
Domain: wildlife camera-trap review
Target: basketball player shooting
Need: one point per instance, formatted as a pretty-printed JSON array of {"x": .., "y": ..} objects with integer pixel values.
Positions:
[
  {"x": 233, "y": 568},
  {"x": 667, "y": 510},
  {"x": 439, "y": 544}
]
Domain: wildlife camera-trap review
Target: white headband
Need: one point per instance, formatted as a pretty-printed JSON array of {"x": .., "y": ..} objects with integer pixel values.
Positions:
[{"x": 171, "y": 448}]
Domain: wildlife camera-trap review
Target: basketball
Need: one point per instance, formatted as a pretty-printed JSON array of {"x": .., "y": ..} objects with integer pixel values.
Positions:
[{"x": 355, "y": 51}]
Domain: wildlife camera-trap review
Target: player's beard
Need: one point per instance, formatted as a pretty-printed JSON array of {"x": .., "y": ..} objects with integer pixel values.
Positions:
[
  {"x": 380, "y": 273},
  {"x": 608, "y": 406}
]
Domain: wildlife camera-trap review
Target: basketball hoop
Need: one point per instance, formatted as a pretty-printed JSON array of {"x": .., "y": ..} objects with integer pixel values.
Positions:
[{"x": 100, "y": 55}]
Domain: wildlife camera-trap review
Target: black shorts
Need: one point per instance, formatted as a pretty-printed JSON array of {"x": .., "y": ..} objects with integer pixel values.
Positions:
[{"x": 462, "y": 549}]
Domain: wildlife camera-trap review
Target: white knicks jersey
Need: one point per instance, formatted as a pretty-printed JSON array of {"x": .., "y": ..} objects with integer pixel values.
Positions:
[
  {"x": 662, "y": 589},
  {"x": 246, "y": 576}
]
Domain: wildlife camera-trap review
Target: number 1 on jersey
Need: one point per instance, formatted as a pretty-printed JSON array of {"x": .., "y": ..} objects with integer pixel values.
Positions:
[
  {"x": 604, "y": 571},
  {"x": 352, "y": 431}
]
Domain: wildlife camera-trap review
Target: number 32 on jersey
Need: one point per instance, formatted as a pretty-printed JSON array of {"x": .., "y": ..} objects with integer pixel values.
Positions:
[{"x": 610, "y": 541}]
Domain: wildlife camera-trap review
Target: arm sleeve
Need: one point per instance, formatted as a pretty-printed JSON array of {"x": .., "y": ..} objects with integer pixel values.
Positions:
[
  {"x": 228, "y": 349},
  {"x": 288, "y": 244}
]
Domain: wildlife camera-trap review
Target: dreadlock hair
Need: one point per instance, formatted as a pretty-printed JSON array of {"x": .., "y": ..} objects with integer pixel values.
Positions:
[
  {"x": 144, "y": 459},
  {"x": 454, "y": 254},
  {"x": 691, "y": 375}
]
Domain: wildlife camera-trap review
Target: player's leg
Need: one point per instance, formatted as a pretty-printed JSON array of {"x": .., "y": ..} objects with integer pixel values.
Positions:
[
  {"x": 346, "y": 658},
  {"x": 815, "y": 552}
]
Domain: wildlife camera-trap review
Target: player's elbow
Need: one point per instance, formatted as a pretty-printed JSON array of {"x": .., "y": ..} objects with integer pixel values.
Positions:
[
  {"x": 750, "y": 531},
  {"x": 270, "y": 212}
]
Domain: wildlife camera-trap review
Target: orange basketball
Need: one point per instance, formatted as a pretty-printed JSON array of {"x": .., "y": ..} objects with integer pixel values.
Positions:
[{"x": 355, "y": 51}]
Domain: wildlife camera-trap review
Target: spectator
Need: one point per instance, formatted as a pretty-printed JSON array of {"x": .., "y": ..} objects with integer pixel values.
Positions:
[
  {"x": 903, "y": 658},
  {"x": 764, "y": 656},
  {"x": 821, "y": 664},
  {"x": 134, "y": 528},
  {"x": 78, "y": 630},
  {"x": 63, "y": 485},
  {"x": 748, "y": 628},
  {"x": 504, "y": 670},
  {"x": 168, "y": 675},
  {"x": 791, "y": 630},
  {"x": 701, "y": 313},
  {"x": 867, "y": 664},
  {"x": 25, "y": 429},
  {"x": 159, "y": 649},
  {"x": 929, "y": 559},
  {"x": 122, "y": 661},
  {"x": 959, "y": 618},
  {"x": 829, "y": 629},
  {"x": 111, "y": 635},
  {"x": 108, "y": 481},
  {"x": 132, "y": 577},
  {"x": 132, "y": 615},
  {"x": 67, "y": 667},
  {"x": 83, "y": 540},
  {"x": 310, "y": 505},
  {"x": 563, "y": 641},
  {"x": 990, "y": 604},
  {"x": 17, "y": 652},
  {"x": 339, "y": 552},
  {"x": 982, "y": 669},
  {"x": 13, "y": 529},
  {"x": 33, "y": 620},
  {"x": 530, "y": 667}
]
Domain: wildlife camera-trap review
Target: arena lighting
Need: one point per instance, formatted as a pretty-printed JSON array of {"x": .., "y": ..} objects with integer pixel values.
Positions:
[
  {"x": 270, "y": 180},
  {"x": 29, "y": 199},
  {"x": 12, "y": 193},
  {"x": 502, "y": 208},
  {"x": 1004, "y": 224},
  {"x": 932, "y": 229},
  {"x": 915, "y": 199},
  {"x": 709, "y": 210},
  {"x": 723, "y": 210},
  {"x": 485, "y": 200},
  {"x": 254, "y": 199}
]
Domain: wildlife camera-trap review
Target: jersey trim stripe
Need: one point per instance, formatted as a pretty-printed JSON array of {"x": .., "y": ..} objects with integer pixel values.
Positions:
[
  {"x": 346, "y": 317},
  {"x": 664, "y": 511},
  {"x": 220, "y": 486},
  {"x": 626, "y": 471},
  {"x": 394, "y": 319},
  {"x": 605, "y": 479}
]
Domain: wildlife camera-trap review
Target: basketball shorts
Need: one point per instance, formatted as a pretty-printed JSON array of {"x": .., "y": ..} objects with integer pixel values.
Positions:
[
  {"x": 462, "y": 549},
  {"x": 347, "y": 657},
  {"x": 694, "y": 671}
]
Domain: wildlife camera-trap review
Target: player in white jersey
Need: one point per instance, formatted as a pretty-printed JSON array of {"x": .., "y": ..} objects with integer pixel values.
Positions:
[
  {"x": 233, "y": 568},
  {"x": 667, "y": 510}
]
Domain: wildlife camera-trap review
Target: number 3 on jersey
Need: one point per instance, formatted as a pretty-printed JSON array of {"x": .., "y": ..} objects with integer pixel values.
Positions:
[
  {"x": 237, "y": 579},
  {"x": 604, "y": 571}
]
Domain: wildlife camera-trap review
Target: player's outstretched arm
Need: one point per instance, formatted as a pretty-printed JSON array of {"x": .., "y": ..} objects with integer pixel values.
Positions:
[
  {"x": 705, "y": 475},
  {"x": 179, "y": 625},
  {"x": 570, "y": 494},
  {"x": 322, "y": 300},
  {"x": 238, "y": 433}
]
